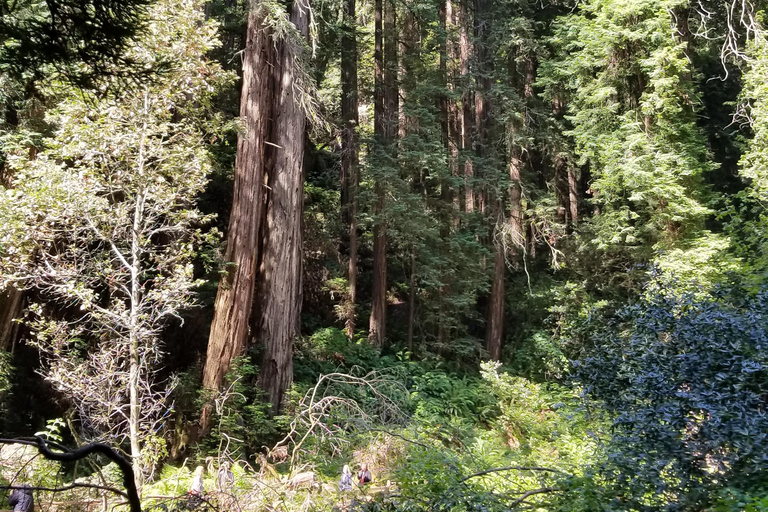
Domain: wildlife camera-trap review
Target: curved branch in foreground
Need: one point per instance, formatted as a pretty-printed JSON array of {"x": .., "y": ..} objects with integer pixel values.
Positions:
[
  {"x": 74, "y": 485},
  {"x": 510, "y": 468},
  {"x": 67, "y": 455}
]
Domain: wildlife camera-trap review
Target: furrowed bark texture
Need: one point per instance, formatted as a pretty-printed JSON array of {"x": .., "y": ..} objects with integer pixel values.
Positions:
[
  {"x": 279, "y": 279},
  {"x": 385, "y": 124},
  {"x": 229, "y": 329}
]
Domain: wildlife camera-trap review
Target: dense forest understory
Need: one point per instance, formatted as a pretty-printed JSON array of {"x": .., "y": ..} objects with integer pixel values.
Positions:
[{"x": 506, "y": 255}]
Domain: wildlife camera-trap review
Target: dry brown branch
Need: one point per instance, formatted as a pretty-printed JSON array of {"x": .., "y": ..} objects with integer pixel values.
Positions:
[{"x": 330, "y": 409}]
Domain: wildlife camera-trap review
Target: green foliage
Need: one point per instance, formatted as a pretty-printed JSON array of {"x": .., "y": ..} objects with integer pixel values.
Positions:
[
  {"x": 103, "y": 225},
  {"x": 449, "y": 404},
  {"x": 632, "y": 105},
  {"x": 242, "y": 422},
  {"x": 81, "y": 42},
  {"x": 684, "y": 378},
  {"x": 329, "y": 349}
]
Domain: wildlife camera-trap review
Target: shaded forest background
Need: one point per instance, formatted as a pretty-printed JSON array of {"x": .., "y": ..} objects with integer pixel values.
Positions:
[{"x": 208, "y": 208}]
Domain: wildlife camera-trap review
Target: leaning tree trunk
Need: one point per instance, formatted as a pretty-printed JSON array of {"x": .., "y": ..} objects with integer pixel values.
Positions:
[
  {"x": 349, "y": 156},
  {"x": 279, "y": 279},
  {"x": 232, "y": 310}
]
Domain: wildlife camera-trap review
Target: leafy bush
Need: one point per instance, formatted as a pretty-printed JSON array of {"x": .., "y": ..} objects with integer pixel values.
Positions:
[
  {"x": 686, "y": 379},
  {"x": 242, "y": 423},
  {"x": 444, "y": 399}
]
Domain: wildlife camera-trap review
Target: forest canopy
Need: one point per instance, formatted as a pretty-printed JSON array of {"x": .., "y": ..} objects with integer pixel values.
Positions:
[{"x": 379, "y": 255}]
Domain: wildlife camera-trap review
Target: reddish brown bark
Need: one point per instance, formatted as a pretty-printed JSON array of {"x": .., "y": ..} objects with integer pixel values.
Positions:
[
  {"x": 264, "y": 234},
  {"x": 386, "y": 113},
  {"x": 495, "y": 327},
  {"x": 279, "y": 279},
  {"x": 349, "y": 152},
  {"x": 232, "y": 309}
]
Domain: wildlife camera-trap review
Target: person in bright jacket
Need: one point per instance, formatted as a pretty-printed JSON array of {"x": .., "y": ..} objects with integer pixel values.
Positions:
[{"x": 21, "y": 499}]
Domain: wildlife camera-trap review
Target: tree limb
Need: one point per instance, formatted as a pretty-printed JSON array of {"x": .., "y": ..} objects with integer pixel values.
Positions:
[
  {"x": 510, "y": 468},
  {"x": 67, "y": 455}
]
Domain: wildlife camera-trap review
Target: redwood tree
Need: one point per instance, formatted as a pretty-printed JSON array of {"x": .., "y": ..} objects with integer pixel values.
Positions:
[
  {"x": 349, "y": 155},
  {"x": 264, "y": 235},
  {"x": 229, "y": 329},
  {"x": 276, "y": 323}
]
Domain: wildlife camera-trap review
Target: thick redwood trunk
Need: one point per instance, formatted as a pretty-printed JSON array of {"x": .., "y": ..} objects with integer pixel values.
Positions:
[
  {"x": 279, "y": 279},
  {"x": 349, "y": 155},
  {"x": 229, "y": 329}
]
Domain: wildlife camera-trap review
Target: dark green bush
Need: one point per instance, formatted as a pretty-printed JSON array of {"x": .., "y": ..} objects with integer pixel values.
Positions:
[{"x": 686, "y": 379}]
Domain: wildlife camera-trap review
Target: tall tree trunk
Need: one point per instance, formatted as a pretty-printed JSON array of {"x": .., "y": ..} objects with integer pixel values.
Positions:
[
  {"x": 232, "y": 309},
  {"x": 386, "y": 113},
  {"x": 349, "y": 156},
  {"x": 279, "y": 278},
  {"x": 482, "y": 85},
  {"x": 573, "y": 196},
  {"x": 134, "y": 358},
  {"x": 412, "y": 301},
  {"x": 450, "y": 139},
  {"x": 467, "y": 106},
  {"x": 134, "y": 326},
  {"x": 495, "y": 327}
]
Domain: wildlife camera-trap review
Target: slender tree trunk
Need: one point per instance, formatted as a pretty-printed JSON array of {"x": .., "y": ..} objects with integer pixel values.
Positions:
[
  {"x": 232, "y": 309},
  {"x": 449, "y": 136},
  {"x": 467, "y": 105},
  {"x": 495, "y": 328},
  {"x": 134, "y": 328},
  {"x": 134, "y": 362},
  {"x": 573, "y": 196},
  {"x": 349, "y": 155},
  {"x": 279, "y": 279},
  {"x": 412, "y": 301},
  {"x": 482, "y": 85},
  {"x": 11, "y": 309},
  {"x": 386, "y": 113}
]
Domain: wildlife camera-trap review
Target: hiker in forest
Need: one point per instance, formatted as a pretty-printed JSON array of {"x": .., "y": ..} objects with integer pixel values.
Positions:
[
  {"x": 21, "y": 499},
  {"x": 345, "y": 484},
  {"x": 364, "y": 476},
  {"x": 225, "y": 478},
  {"x": 196, "y": 490}
]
